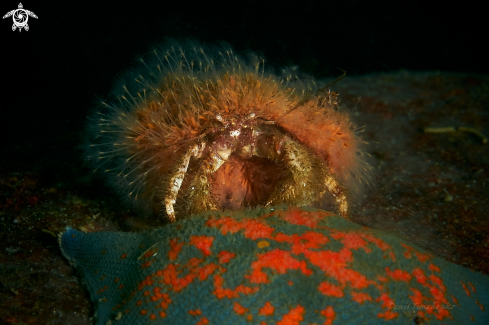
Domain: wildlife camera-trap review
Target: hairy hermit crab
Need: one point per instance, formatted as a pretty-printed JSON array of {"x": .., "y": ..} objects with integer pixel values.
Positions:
[{"x": 196, "y": 128}]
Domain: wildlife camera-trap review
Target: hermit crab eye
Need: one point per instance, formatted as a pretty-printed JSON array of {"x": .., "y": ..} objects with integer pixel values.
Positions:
[{"x": 234, "y": 133}]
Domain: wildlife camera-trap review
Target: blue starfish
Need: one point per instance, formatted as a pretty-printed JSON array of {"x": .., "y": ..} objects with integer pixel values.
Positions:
[{"x": 271, "y": 266}]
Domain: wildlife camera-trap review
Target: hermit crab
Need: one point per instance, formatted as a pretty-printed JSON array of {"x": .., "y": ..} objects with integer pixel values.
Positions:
[{"x": 197, "y": 128}]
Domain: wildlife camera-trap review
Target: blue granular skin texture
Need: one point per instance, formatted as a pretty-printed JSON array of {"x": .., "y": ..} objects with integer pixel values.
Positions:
[{"x": 271, "y": 266}]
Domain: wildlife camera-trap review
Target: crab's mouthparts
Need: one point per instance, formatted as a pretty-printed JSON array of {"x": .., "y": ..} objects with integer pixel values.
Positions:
[{"x": 241, "y": 182}]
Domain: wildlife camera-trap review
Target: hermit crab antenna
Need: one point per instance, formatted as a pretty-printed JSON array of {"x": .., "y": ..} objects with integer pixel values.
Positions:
[
  {"x": 317, "y": 92},
  {"x": 332, "y": 83}
]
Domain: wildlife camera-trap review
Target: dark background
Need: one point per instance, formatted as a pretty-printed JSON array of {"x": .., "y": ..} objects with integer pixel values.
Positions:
[{"x": 53, "y": 73}]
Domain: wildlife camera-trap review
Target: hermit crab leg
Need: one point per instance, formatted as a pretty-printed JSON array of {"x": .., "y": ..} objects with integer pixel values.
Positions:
[
  {"x": 338, "y": 193},
  {"x": 199, "y": 198},
  {"x": 300, "y": 186},
  {"x": 303, "y": 184},
  {"x": 176, "y": 180}
]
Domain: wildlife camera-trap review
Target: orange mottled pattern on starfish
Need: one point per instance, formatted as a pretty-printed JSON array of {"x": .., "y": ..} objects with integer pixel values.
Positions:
[{"x": 271, "y": 266}]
